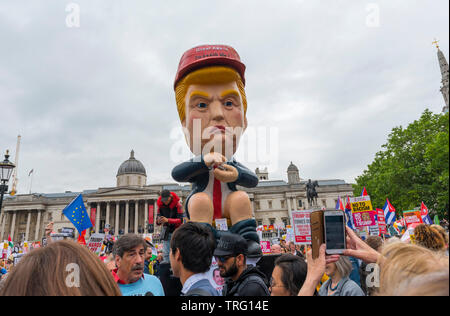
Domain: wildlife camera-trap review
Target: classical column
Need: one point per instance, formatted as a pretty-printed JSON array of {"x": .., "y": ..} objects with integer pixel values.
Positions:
[
  {"x": 97, "y": 217},
  {"x": 12, "y": 225},
  {"x": 28, "y": 226},
  {"x": 127, "y": 214},
  {"x": 145, "y": 216},
  {"x": 136, "y": 216},
  {"x": 4, "y": 216},
  {"x": 116, "y": 229},
  {"x": 88, "y": 206},
  {"x": 290, "y": 210},
  {"x": 107, "y": 212},
  {"x": 38, "y": 223}
]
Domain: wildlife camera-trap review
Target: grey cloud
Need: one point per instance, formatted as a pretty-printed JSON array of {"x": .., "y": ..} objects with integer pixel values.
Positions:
[{"x": 83, "y": 98}]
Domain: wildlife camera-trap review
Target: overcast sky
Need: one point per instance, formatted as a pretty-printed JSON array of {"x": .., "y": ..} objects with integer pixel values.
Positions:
[{"x": 329, "y": 79}]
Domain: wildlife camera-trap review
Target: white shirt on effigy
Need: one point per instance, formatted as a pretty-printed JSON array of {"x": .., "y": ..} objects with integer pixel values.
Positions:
[{"x": 210, "y": 189}]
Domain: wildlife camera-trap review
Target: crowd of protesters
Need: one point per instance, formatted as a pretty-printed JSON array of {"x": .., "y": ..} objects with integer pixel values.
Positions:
[{"x": 375, "y": 266}]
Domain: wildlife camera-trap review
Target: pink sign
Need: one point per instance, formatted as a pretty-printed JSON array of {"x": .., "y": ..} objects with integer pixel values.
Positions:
[
  {"x": 363, "y": 219},
  {"x": 265, "y": 247}
]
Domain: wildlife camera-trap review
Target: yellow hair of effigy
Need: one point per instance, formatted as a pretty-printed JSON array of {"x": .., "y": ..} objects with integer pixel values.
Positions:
[{"x": 207, "y": 76}]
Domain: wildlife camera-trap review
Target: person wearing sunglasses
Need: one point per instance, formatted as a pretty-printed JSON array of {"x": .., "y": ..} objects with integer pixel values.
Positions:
[{"x": 241, "y": 279}]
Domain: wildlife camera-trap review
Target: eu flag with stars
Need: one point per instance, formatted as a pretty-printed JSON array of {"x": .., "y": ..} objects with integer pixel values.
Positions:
[{"x": 77, "y": 214}]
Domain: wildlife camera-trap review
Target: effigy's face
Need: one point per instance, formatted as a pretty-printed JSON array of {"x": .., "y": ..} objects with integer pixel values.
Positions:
[{"x": 215, "y": 118}]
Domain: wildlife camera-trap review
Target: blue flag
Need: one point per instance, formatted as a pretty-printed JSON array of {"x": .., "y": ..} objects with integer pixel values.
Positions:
[{"x": 77, "y": 214}]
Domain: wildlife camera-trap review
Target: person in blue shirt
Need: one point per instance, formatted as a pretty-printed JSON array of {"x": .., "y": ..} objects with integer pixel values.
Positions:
[{"x": 129, "y": 253}]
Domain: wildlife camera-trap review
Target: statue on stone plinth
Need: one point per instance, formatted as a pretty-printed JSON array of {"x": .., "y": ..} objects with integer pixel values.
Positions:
[{"x": 311, "y": 192}]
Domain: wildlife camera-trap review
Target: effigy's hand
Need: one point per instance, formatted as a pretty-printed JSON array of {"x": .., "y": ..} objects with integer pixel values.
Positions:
[
  {"x": 214, "y": 159},
  {"x": 230, "y": 174}
]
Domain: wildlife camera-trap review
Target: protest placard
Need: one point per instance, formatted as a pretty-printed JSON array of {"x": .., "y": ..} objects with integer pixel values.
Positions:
[
  {"x": 95, "y": 243},
  {"x": 374, "y": 230},
  {"x": 361, "y": 204},
  {"x": 412, "y": 217},
  {"x": 221, "y": 224},
  {"x": 363, "y": 219},
  {"x": 381, "y": 221},
  {"x": 362, "y": 232},
  {"x": 214, "y": 276},
  {"x": 302, "y": 227},
  {"x": 290, "y": 236},
  {"x": 265, "y": 247}
]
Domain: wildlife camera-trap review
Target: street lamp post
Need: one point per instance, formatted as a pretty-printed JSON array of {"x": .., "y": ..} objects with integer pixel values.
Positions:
[{"x": 6, "y": 168}]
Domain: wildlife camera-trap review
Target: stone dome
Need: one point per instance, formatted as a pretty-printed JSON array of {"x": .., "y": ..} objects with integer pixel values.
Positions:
[
  {"x": 131, "y": 166},
  {"x": 292, "y": 167}
]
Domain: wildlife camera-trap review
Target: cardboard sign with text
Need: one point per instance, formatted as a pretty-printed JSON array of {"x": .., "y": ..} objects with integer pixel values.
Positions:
[
  {"x": 374, "y": 230},
  {"x": 302, "y": 228},
  {"x": 265, "y": 247},
  {"x": 95, "y": 243},
  {"x": 290, "y": 236},
  {"x": 221, "y": 224},
  {"x": 412, "y": 217},
  {"x": 361, "y": 204},
  {"x": 363, "y": 219},
  {"x": 381, "y": 221}
]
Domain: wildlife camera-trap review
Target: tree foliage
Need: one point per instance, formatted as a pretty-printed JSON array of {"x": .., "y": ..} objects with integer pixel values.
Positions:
[{"x": 413, "y": 166}]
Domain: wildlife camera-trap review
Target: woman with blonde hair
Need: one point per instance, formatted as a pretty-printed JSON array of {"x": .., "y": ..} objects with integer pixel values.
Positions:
[
  {"x": 400, "y": 263},
  {"x": 63, "y": 268},
  {"x": 339, "y": 283}
]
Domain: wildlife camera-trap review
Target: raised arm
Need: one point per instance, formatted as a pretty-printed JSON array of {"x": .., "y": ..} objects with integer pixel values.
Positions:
[
  {"x": 189, "y": 170},
  {"x": 246, "y": 177}
]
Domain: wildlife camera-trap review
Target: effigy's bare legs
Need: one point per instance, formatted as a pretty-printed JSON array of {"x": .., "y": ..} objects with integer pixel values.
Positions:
[
  {"x": 201, "y": 208},
  {"x": 237, "y": 207}
]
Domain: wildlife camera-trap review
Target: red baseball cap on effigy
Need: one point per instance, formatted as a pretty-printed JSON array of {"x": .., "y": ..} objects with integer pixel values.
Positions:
[{"x": 209, "y": 55}]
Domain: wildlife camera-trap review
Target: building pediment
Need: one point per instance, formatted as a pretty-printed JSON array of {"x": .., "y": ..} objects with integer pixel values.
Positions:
[{"x": 121, "y": 191}]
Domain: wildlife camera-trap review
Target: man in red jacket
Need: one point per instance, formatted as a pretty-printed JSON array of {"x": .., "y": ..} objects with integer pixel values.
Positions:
[{"x": 170, "y": 215}]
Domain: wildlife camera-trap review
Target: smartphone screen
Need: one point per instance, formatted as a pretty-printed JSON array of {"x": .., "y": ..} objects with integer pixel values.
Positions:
[{"x": 334, "y": 231}]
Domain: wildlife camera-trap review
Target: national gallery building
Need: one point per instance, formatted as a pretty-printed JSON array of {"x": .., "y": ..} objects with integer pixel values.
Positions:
[{"x": 129, "y": 206}]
